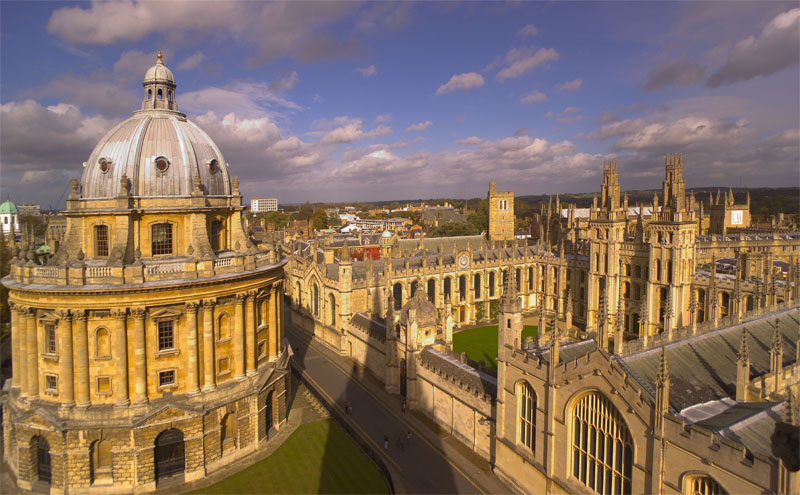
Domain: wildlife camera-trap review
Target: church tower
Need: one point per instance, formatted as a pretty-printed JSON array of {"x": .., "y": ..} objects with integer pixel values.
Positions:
[{"x": 501, "y": 214}]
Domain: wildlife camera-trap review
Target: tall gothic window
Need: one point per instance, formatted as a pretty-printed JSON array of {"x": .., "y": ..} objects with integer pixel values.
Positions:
[
  {"x": 526, "y": 409},
  {"x": 476, "y": 285},
  {"x": 162, "y": 238},
  {"x": 315, "y": 300},
  {"x": 491, "y": 284},
  {"x": 703, "y": 485},
  {"x": 101, "y": 240},
  {"x": 602, "y": 449}
]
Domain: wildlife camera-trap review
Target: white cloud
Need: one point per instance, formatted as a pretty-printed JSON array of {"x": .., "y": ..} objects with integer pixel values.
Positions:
[
  {"x": 687, "y": 134},
  {"x": 518, "y": 61},
  {"x": 533, "y": 97},
  {"x": 571, "y": 109},
  {"x": 276, "y": 29},
  {"x": 384, "y": 118},
  {"x": 464, "y": 81},
  {"x": 776, "y": 47},
  {"x": 285, "y": 83},
  {"x": 470, "y": 141},
  {"x": 351, "y": 131},
  {"x": 573, "y": 85},
  {"x": 627, "y": 126},
  {"x": 367, "y": 71},
  {"x": 678, "y": 72},
  {"x": 528, "y": 31},
  {"x": 244, "y": 99},
  {"x": 421, "y": 126},
  {"x": 192, "y": 61}
]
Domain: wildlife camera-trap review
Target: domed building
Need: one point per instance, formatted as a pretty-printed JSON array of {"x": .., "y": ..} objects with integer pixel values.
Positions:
[
  {"x": 9, "y": 217},
  {"x": 149, "y": 349}
]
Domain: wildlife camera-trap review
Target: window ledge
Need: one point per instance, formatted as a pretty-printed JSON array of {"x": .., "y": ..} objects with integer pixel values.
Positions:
[
  {"x": 50, "y": 357},
  {"x": 102, "y": 358},
  {"x": 224, "y": 341},
  {"x": 168, "y": 352},
  {"x": 168, "y": 387}
]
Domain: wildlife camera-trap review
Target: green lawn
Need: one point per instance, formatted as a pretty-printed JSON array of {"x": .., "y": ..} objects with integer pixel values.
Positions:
[
  {"x": 319, "y": 457},
  {"x": 481, "y": 342}
]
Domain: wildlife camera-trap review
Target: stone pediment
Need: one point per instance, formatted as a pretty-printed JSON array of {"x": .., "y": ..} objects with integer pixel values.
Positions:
[
  {"x": 166, "y": 314},
  {"x": 43, "y": 420},
  {"x": 166, "y": 413}
]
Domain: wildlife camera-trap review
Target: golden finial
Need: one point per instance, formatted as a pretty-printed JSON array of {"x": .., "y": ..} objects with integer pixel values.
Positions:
[{"x": 159, "y": 57}]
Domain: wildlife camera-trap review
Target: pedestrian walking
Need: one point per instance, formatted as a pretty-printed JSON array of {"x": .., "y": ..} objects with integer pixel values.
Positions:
[
  {"x": 404, "y": 405},
  {"x": 408, "y": 438},
  {"x": 386, "y": 441},
  {"x": 347, "y": 406}
]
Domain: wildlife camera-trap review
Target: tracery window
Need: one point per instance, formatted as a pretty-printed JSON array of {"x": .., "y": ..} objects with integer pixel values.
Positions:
[
  {"x": 162, "y": 238},
  {"x": 602, "y": 449},
  {"x": 315, "y": 300},
  {"x": 526, "y": 411},
  {"x": 476, "y": 285},
  {"x": 703, "y": 485},
  {"x": 101, "y": 240}
]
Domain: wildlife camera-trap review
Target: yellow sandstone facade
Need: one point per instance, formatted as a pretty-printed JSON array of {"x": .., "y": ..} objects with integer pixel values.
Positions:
[{"x": 149, "y": 348}]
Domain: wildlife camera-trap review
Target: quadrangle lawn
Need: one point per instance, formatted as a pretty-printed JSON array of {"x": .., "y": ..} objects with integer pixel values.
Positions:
[
  {"x": 319, "y": 457},
  {"x": 481, "y": 342}
]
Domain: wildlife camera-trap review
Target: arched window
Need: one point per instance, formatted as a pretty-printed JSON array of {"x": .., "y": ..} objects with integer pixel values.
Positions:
[
  {"x": 160, "y": 94},
  {"x": 476, "y": 285},
  {"x": 448, "y": 290},
  {"x": 169, "y": 95},
  {"x": 637, "y": 271},
  {"x": 702, "y": 485},
  {"x": 227, "y": 433},
  {"x": 602, "y": 448},
  {"x": 414, "y": 285},
  {"x": 169, "y": 454},
  {"x": 162, "y": 238},
  {"x": 432, "y": 290},
  {"x": 491, "y": 284},
  {"x": 298, "y": 294},
  {"x": 658, "y": 270},
  {"x": 215, "y": 236},
  {"x": 519, "y": 279},
  {"x": 101, "y": 240},
  {"x": 224, "y": 326},
  {"x": 669, "y": 272},
  {"x": 530, "y": 278},
  {"x": 526, "y": 411},
  {"x": 149, "y": 94},
  {"x": 626, "y": 290},
  {"x": 315, "y": 299},
  {"x": 332, "y": 309},
  {"x": 397, "y": 294},
  {"x": 100, "y": 461},
  {"x": 462, "y": 288},
  {"x": 102, "y": 343}
]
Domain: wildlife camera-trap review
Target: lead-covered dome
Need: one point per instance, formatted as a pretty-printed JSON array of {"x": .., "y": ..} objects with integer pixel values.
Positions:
[{"x": 158, "y": 149}]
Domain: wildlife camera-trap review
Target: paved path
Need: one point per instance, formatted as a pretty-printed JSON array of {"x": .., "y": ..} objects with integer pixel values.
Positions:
[{"x": 431, "y": 462}]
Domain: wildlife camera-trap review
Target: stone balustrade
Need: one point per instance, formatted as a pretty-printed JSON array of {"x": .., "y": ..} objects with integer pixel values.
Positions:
[{"x": 79, "y": 273}]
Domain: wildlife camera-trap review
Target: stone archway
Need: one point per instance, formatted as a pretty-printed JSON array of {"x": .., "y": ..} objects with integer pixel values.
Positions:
[{"x": 169, "y": 454}]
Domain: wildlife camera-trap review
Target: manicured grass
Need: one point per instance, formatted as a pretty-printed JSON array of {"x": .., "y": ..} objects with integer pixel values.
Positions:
[
  {"x": 317, "y": 458},
  {"x": 481, "y": 342}
]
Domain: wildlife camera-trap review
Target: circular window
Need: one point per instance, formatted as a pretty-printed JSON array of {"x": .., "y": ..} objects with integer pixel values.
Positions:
[
  {"x": 162, "y": 164},
  {"x": 105, "y": 164},
  {"x": 213, "y": 165}
]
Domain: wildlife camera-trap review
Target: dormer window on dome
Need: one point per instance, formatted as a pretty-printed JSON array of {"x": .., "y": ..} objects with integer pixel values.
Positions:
[
  {"x": 105, "y": 164},
  {"x": 213, "y": 166},
  {"x": 162, "y": 164}
]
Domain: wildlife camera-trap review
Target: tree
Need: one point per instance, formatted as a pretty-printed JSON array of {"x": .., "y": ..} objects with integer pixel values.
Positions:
[
  {"x": 278, "y": 218},
  {"x": 454, "y": 229},
  {"x": 320, "y": 219},
  {"x": 479, "y": 217},
  {"x": 523, "y": 214}
]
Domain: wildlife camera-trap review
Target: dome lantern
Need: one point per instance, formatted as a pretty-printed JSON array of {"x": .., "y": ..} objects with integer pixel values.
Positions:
[{"x": 159, "y": 87}]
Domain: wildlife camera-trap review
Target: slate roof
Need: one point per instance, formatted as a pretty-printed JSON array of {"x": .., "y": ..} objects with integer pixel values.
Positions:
[{"x": 703, "y": 367}]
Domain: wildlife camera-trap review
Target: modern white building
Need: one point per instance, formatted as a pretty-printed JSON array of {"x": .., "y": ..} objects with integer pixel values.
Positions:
[{"x": 261, "y": 205}]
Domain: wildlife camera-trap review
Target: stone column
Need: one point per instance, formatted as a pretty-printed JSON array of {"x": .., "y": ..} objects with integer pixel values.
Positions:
[
  {"x": 272, "y": 339},
  {"x": 192, "y": 372},
  {"x": 279, "y": 314},
  {"x": 66, "y": 380},
  {"x": 81, "y": 358},
  {"x": 209, "y": 376},
  {"x": 250, "y": 333},
  {"x": 238, "y": 337},
  {"x": 139, "y": 356},
  {"x": 17, "y": 367},
  {"x": 121, "y": 357},
  {"x": 31, "y": 334}
]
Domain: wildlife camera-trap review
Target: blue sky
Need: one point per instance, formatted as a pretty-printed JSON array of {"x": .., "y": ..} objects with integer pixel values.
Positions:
[{"x": 391, "y": 100}]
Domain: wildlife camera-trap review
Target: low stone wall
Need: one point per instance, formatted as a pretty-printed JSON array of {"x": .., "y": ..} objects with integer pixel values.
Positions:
[
  {"x": 321, "y": 333},
  {"x": 454, "y": 395}
]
